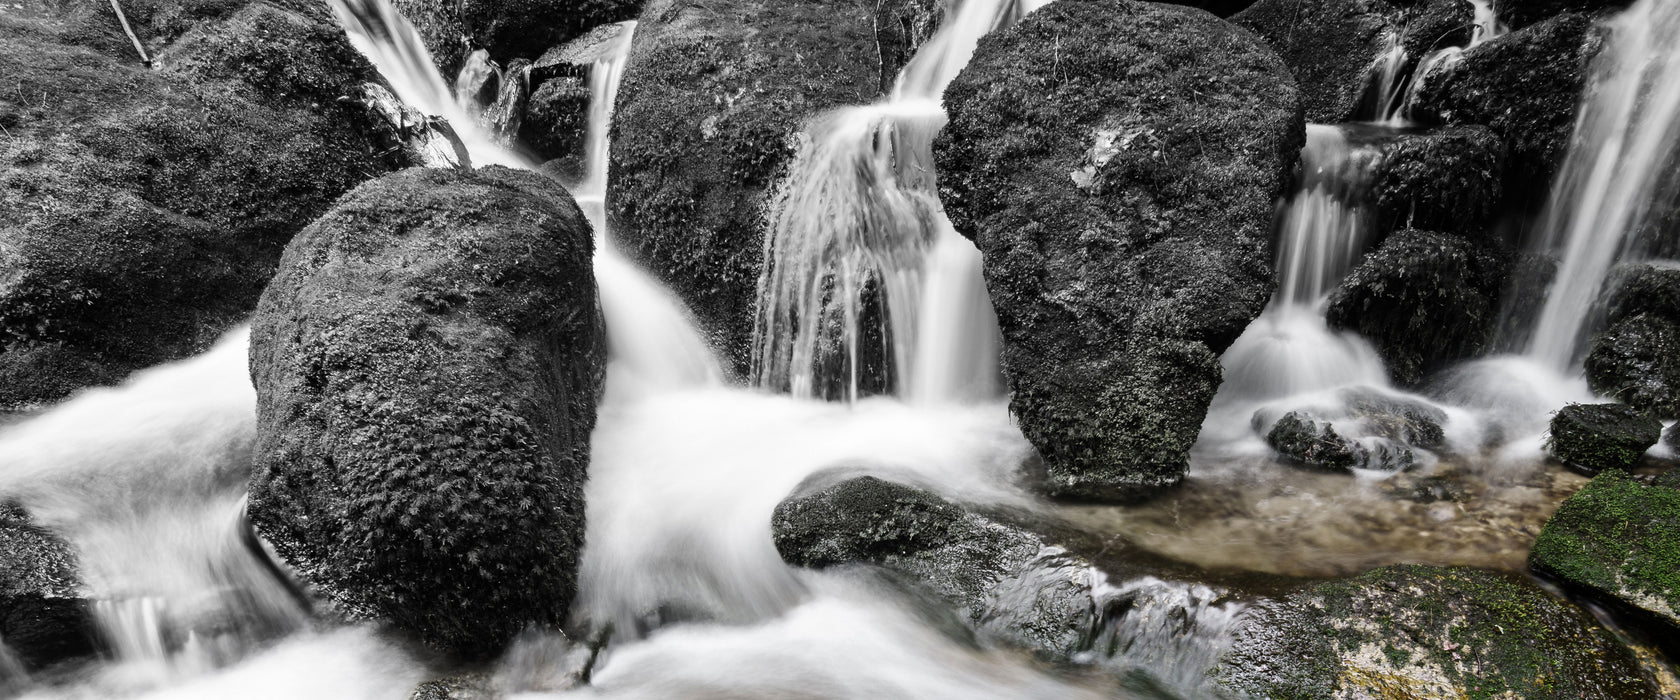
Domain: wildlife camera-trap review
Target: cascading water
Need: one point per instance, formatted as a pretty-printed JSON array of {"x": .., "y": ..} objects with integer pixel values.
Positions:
[{"x": 1623, "y": 151}]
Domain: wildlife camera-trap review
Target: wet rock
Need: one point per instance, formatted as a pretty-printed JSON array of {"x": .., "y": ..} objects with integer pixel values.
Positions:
[
  {"x": 1445, "y": 180},
  {"x": 526, "y": 28},
  {"x": 1595, "y": 437},
  {"x": 44, "y": 618},
  {"x": 1425, "y": 300},
  {"x": 557, "y": 117},
  {"x": 1644, "y": 289},
  {"x": 463, "y": 687},
  {"x": 711, "y": 100},
  {"x": 1007, "y": 580},
  {"x": 1516, "y": 14},
  {"x": 1300, "y": 440},
  {"x": 142, "y": 211},
  {"x": 1419, "y": 631},
  {"x": 1139, "y": 247},
  {"x": 1411, "y": 422},
  {"x": 1637, "y": 361},
  {"x": 427, "y": 364},
  {"x": 1618, "y": 540},
  {"x": 1331, "y": 45},
  {"x": 1525, "y": 86}
]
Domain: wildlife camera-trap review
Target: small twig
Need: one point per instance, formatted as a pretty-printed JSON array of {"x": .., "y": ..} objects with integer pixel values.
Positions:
[{"x": 141, "y": 48}]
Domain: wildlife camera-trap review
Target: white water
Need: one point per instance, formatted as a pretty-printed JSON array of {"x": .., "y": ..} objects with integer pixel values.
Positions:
[{"x": 1625, "y": 142}]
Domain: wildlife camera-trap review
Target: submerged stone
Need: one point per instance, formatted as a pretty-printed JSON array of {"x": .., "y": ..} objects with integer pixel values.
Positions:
[
  {"x": 427, "y": 365},
  {"x": 1332, "y": 45},
  {"x": 1525, "y": 86},
  {"x": 1595, "y": 437},
  {"x": 1445, "y": 180},
  {"x": 712, "y": 100},
  {"x": 1427, "y": 632},
  {"x": 1121, "y": 196},
  {"x": 1425, "y": 300},
  {"x": 1637, "y": 361},
  {"x": 1618, "y": 540}
]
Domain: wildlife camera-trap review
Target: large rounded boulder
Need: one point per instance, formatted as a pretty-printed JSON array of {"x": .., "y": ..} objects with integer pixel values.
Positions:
[
  {"x": 713, "y": 97},
  {"x": 1618, "y": 541},
  {"x": 427, "y": 363},
  {"x": 141, "y": 211},
  {"x": 1117, "y": 162}
]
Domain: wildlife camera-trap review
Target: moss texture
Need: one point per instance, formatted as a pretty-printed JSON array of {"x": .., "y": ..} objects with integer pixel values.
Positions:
[
  {"x": 1525, "y": 86},
  {"x": 1618, "y": 540},
  {"x": 712, "y": 97},
  {"x": 1446, "y": 180},
  {"x": 1595, "y": 437},
  {"x": 1516, "y": 14},
  {"x": 427, "y": 364},
  {"x": 1416, "y": 631},
  {"x": 1425, "y": 300},
  {"x": 1302, "y": 441},
  {"x": 1117, "y": 162},
  {"x": 142, "y": 211},
  {"x": 44, "y": 619},
  {"x": 1637, "y": 361},
  {"x": 1330, "y": 45}
]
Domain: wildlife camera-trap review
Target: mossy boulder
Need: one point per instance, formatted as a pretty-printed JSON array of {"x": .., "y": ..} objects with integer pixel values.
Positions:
[
  {"x": 1121, "y": 196},
  {"x": 1418, "y": 631},
  {"x": 1618, "y": 540},
  {"x": 44, "y": 616},
  {"x": 427, "y": 364},
  {"x": 142, "y": 211},
  {"x": 1525, "y": 86},
  {"x": 1595, "y": 437},
  {"x": 1637, "y": 361},
  {"x": 1331, "y": 45},
  {"x": 1425, "y": 300},
  {"x": 1305, "y": 442},
  {"x": 1516, "y": 14},
  {"x": 556, "y": 120},
  {"x": 712, "y": 98},
  {"x": 526, "y": 28},
  {"x": 1641, "y": 288},
  {"x": 1446, "y": 180},
  {"x": 1004, "y": 579}
]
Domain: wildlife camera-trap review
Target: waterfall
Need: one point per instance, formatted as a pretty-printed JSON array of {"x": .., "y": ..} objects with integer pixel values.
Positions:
[
  {"x": 864, "y": 275},
  {"x": 1620, "y": 160}
]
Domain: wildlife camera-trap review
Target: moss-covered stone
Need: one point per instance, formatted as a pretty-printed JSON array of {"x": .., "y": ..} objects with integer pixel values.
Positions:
[
  {"x": 1618, "y": 540},
  {"x": 1302, "y": 441},
  {"x": 1117, "y": 162},
  {"x": 1331, "y": 45},
  {"x": 1595, "y": 437},
  {"x": 1516, "y": 14},
  {"x": 1445, "y": 180},
  {"x": 1425, "y": 300},
  {"x": 712, "y": 97},
  {"x": 1644, "y": 289},
  {"x": 1525, "y": 86},
  {"x": 1417, "y": 631},
  {"x": 1637, "y": 361},
  {"x": 142, "y": 211},
  {"x": 427, "y": 365},
  {"x": 44, "y": 618}
]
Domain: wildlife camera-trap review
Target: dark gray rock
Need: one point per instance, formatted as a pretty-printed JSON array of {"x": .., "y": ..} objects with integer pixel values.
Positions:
[
  {"x": 1445, "y": 180},
  {"x": 427, "y": 364},
  {"x": 1525, "y": 86},
  {"x": 711, "y": 99},
  {"x": 141, "y": 211},
  {"x": 44, "y": 617},
  {"x": 1637, "y": 361},
  {"x": 1427, "y": 632},
  {"x": 1644, "y": 289},
  {"x": 1516, "y": 14},
  {"x": 1331, "y": 45},
  {"x": 1618, "y": 541},
  {"x": 1302, "y": 441},
  {"x": 1595, "y": 437},
  {"x": 1425, "y": 300},
  {"x": 556, "y": 120},
  {"x": 1124, "y": 217}
]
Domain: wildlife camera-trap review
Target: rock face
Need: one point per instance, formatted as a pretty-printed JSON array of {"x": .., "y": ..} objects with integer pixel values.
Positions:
[
  {"x": 1446, "y": 180},
  {"x": 1427, "y": 632},
  {"x": 142, "y": 211},
  {"x": 1595, "y": 437},
  {"x": 695, "y": 159},
  {"x": 1121, "y": 196},
  {"x": 1619, "y": 541},
  {"x": 1425, "y": 300},
  {"x": 1636, "y": 360},
  {"x": 1331, "y": 45},
  {"x": 1516, "y": 14},
  {"x": 427, "y": 365},
  {"x": 1525, "y": 86},
  {"x": 43, "y": 617},
  {"x": 506, "y": 29}
]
